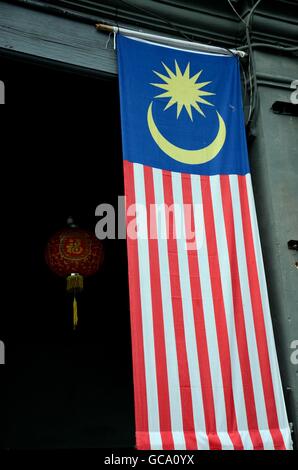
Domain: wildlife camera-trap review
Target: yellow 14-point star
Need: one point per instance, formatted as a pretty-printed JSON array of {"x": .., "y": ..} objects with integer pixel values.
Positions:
[{"x": 183, "y": 90}]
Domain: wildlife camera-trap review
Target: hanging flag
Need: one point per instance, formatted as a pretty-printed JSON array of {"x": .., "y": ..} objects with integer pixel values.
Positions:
[{"x": 205, "y": 368}]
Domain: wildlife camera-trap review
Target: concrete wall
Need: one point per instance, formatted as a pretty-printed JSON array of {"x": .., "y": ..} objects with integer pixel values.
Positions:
[{"x": 274, "y": 164}]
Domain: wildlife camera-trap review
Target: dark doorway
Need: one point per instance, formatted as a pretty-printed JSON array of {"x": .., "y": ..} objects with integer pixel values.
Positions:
[{"x": 62, "y": 157}]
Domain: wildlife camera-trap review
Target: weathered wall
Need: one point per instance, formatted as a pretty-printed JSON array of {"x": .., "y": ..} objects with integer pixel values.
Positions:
[{"x": 274, "y": 166}]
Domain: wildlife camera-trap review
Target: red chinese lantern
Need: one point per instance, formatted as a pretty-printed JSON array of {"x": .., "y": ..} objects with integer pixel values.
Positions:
[{"x": 74, "y": 253}]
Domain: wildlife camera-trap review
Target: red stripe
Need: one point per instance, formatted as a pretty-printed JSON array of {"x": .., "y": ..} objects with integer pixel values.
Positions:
[
  {"x": 157, "y": 313},
  {"x": 201, "y": 338},
  {"x": 219, "y": 311},
  {"x": 140, "y": 394},
  {"x": 239, "y": 315},
  {"x": 184, "y": 379},
  {"x": 258, "y": 316}
]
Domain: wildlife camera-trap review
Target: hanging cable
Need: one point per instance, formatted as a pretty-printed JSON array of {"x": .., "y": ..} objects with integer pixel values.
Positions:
[
  {"x": 172, "y": 25},
  {"x": 250, "y": 15},
  {"x": 264, "y": 45},
  {"x": 253, "y": 102},
  {"x": 236, "y": 12},
  {"x": 253, "y": 66},
  {"x": 153, "y": 14}
]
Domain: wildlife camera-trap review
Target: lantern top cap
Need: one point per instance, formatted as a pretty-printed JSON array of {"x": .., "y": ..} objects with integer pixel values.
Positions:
[{"x": 70, "y": 222}]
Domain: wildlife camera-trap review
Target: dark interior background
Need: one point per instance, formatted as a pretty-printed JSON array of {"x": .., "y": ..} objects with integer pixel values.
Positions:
[{"x": 61, "y": 156}]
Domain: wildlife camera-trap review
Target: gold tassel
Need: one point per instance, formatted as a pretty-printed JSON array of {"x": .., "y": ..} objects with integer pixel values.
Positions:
[
  {"x": 75, "y": 312},
  {"x": 74, "y": 285}
]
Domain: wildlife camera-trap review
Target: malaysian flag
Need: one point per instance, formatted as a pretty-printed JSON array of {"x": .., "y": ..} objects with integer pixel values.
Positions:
[{"x": 205, "y": 368}]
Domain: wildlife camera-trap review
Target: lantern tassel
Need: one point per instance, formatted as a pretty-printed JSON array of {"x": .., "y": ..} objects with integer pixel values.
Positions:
[
  {"x": 74, "y": 284},
  {"x": 75, "y": 312}
]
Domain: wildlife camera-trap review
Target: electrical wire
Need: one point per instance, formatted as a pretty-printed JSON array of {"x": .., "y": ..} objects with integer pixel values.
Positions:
[
  {"x": 251, "y": 65},
  {"x": 253, "y": 101},
  {"x": 172, "y": 25},
  {"x": 236, "y": 12},
  {"x": 264, "y": 45},
  {"x": 151, "y": 13},
  {"x": 250, "y": 15},
  {"x": 254, "y": 91}
]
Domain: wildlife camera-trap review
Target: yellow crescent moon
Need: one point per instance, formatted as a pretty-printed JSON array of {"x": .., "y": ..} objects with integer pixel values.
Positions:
[{"x": 191, "y": 157}]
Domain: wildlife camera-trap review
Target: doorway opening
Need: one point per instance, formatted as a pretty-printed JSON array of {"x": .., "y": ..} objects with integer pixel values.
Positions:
[{"x": 64, "y": 389}]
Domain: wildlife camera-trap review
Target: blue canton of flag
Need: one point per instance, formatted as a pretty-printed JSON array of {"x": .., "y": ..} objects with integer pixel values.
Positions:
[{"x": 183, "y": 107}]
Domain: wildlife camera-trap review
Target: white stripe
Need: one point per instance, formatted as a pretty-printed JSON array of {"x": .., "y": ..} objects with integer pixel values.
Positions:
[
  {"x": 225, "y": 440},
  {"x": 170, "y": 339},
  {"x": 147, "y": 321},
  {"x": 277, "y": 385},
  {"x": 178, "y": 438},
  {"x": 155, "y": 440},
  {"x": 267, "y": 439},
  {"x": 210, "y": 325},
  {"x": 188, "y": 316},
  {"x": 226, "y": 283},
  {"x": 248, "y": 316},
  {"x": 287, "y": 437}
]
